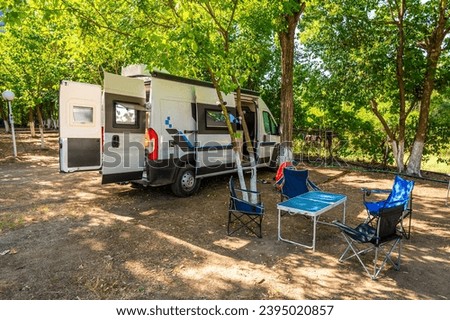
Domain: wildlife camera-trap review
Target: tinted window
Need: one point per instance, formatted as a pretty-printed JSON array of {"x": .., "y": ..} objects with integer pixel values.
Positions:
[
  {"x": 269, "y": 125},
  {"x": 215, "y": 119},
  {"x": 83, "y": 115},
  {"x": 125, "y": 114}
]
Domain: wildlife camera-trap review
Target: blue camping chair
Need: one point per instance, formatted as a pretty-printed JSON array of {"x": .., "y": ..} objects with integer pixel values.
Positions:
[
  {"x": 244, "y": 214},
  {"x": 279, "y": 178},
  {"x": 399, "y": 195},
  {"x": 296, "y": 182}
]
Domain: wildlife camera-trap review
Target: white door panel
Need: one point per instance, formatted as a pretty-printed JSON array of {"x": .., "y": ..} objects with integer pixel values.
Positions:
[
  {"x": 124, "y": 129},
  {"x": 80, "y": 126}
]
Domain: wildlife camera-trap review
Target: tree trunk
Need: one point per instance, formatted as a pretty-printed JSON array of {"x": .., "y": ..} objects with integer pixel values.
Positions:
[
  {"x": 41, "y": 126},
  {"x": 400, "y": 75},
  {"x": 4, "y": 116},
  {"x": 248, "y": 141},
  {"x": 434, "y": 48},
  {"x": 287, "y": 44},
  {"x": 31, "y": 123},
  {"x": 398, "y": 147},
  {"x": 415, "y": 160},
  {"x": 400, "y": 156},
  {"x": 236, "y": 149}
]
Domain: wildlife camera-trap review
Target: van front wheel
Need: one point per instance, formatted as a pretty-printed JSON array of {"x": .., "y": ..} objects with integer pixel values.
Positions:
[{"x": 185, "y": 183}]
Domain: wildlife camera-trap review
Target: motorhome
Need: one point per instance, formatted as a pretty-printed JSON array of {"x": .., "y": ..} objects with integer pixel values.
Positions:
[{"x": 155, "y": 129}]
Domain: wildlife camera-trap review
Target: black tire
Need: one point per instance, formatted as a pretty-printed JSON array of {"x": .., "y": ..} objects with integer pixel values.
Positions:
[{"x": 185, "y": 184}]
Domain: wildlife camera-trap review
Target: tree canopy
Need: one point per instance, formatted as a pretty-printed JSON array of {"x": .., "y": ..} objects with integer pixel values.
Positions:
[{"x": 376, "y": 72}]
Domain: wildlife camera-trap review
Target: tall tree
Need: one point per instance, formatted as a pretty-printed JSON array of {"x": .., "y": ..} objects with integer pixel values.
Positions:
[
  {"x": 41, "y": 48},
  {"x": 435, "y": 33},
  {"x": 227, "y": 40},
  {"x": 369, "y": 54},
  {"x": 35, "y": 56},
  {"x": 223, "y": 39},
  {"x": 289, "y": 17}
]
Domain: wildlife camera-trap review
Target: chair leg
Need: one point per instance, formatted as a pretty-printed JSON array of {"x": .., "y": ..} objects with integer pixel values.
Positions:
[
  {"x": 229, "y": 222},
  {"x": 377, "y": 268},
  {"x": 387, "y": 257},
  {"x": 351, "y": 246},
  {"x": 259, "y": 227},
  {"x": 245, "y": 221},
  {"x": 234, "y": 217},
  {"x": 375, "y": 263}
]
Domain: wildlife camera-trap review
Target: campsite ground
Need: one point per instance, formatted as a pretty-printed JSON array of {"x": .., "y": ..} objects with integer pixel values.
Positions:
[{"x": 65, "y": 236}]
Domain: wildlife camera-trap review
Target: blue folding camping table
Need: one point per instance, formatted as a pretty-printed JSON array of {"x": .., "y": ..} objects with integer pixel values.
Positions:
[{"x": 312, "y": 204}]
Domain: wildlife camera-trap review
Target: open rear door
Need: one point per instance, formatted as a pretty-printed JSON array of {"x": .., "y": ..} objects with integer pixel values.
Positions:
[
  {"x": 80, "y": 126},
  {"x": 124, "y": 152}
]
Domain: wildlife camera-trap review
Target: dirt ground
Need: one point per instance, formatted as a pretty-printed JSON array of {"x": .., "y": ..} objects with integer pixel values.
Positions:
[{"x": 65, "y": 236}]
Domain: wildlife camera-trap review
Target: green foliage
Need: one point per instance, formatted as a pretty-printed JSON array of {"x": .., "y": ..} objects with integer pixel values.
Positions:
[
  {"x": 345, "y": 57},
  {"x": 439, "y": 132},
  {"x": 349, "y": 56},
  {"x": 35, "y": 54}
]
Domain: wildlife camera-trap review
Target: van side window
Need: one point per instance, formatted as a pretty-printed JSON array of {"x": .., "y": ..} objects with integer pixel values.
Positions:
[
  {"x": 83, "y": 115},
  {"x": 210, "y": 119},
  {"x": 125, "y": 115},
  {"x": 215, "y": 119},
  {"x": 269, "y": 125}
]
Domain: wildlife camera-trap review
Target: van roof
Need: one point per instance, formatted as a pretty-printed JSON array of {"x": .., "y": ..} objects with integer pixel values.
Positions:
[{"x": 167, "y": 76}]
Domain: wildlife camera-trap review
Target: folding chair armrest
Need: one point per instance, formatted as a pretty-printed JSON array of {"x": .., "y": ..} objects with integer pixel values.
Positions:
[
  {"x": 362, "y": 233},
  {"x": 236, "y": 201},
  {"x": 250, "y": 191},
  {"x": 260, "y": 208},
  {"x": 343, "y": 227},
  {"x": 312, "y": 185},
  {"x": 367, "y": 192},
  {"x": 280, "y": 181},
  {"x": 352, "y": 232}
]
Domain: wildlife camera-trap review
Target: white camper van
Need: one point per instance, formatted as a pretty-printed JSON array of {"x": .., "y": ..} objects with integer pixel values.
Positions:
[{"x": 157, "y": 129}]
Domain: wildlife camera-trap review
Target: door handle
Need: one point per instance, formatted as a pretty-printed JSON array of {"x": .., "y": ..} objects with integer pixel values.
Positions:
[{"x": 115, "y": 141}]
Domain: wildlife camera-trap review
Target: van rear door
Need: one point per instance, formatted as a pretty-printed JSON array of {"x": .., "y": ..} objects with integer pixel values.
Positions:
[
  {"x": 124, "y": 129},
  {"x": 80, "y": 146}
]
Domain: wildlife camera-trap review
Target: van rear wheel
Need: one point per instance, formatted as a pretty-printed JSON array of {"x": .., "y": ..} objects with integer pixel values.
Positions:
[{"x": 185, "y": 183}]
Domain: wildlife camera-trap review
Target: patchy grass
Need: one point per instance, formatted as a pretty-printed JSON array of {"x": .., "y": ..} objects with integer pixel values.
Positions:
[
  {"x": 433, "y": 165},
  {"x": 11, "y": 222}
]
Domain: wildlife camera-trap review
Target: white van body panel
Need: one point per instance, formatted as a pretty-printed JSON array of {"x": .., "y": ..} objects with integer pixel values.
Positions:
[
  {"x": 80, "y": 118},
  {"x": 156, "y": 126},
  {"x": 124, "y": 129}
]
